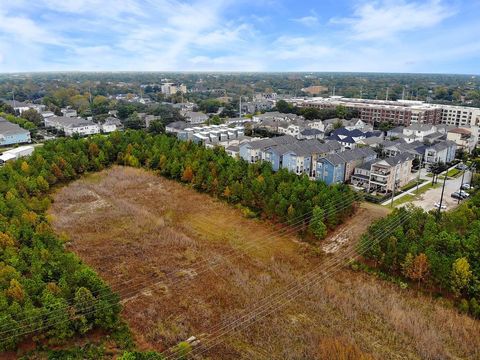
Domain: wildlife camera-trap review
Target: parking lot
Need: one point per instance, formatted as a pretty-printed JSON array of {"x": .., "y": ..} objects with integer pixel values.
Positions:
[{"x": 432, "y": 196}]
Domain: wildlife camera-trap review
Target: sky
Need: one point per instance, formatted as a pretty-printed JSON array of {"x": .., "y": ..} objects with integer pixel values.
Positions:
[{"x": 429, "y": 36}]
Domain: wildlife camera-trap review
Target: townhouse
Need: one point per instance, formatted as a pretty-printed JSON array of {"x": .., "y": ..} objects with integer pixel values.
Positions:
[
  {"x": 339, "y": 167},
  {"x": 383, "y": 175}
]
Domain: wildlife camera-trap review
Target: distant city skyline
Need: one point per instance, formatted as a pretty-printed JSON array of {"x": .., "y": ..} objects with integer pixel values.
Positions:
[{"x": 432, "y": 36}]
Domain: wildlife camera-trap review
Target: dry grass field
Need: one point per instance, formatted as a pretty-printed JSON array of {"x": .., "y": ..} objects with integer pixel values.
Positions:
[{"x": 185, "y": 263}]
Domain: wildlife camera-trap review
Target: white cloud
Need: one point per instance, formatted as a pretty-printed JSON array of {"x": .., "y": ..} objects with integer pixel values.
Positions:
[
  {"x": 382, "y": 20},
  {"x": 309, "y": 21}
]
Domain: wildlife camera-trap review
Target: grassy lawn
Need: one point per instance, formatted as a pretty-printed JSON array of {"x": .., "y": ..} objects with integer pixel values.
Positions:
[
  {"x": 412, "y": 184},
  {"x": 454, "y": 172}
]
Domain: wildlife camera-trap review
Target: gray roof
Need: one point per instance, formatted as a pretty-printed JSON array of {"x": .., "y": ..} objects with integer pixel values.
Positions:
[
  {"x": 310, "y": 132},
  {"x": 400, "y": 158},
  {"x": 419, "y": 127},
  {"x": 442, "y": 145},
  {"x": 334, "y": 159},
  {"x": 280, "y": 140},
  {"x": 17, "y": 103},
  {"x": 112, "y": 121},
  {"x": 70, "y": 121},
  {"x": 180, "y": 125},
  {"x": 7, "y": 128},
  {"x": 356, "y": 154}
]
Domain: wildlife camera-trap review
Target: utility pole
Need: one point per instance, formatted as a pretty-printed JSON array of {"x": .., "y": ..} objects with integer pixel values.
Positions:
[
  {"x": 240, "y": 107},
  {"x": 386, "y": 95},
  {"x": 443, "y": 190},
  {"x": 461, "y": 184},
  {"x": 394, "y": 184},
  {"x": 419, "y": 171}
]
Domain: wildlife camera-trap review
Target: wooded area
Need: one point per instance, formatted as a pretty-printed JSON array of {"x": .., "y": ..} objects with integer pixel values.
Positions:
[{"x": 45, "y": 290}]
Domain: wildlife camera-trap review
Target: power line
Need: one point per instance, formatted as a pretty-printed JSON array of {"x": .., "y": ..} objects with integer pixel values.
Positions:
[
  {"x": 403, "y": 217},
  {"x": 133, "y": 289}
]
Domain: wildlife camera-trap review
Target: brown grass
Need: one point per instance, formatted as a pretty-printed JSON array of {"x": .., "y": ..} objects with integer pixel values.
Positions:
[{"x": 137, "y": 229}]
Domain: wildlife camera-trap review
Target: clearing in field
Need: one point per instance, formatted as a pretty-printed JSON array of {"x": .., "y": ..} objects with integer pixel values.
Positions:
[{"x": 185, "y": 264}]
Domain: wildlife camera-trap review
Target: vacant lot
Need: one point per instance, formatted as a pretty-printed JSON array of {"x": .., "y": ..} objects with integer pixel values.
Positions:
[{"x": 185, "y": 263}]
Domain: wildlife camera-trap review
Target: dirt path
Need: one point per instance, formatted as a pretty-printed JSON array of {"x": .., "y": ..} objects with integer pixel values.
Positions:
[{"x": 184, "y": 263}]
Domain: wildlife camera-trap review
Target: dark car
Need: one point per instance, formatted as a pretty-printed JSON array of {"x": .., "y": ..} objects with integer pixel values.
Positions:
[{"x": 456, "y": 195}]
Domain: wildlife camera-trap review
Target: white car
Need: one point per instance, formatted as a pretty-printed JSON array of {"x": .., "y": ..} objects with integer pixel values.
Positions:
[
  {"x": 466, "y": 187},
  {"x": 464, "y": 193},
  {"x": 437, "y": 205}
]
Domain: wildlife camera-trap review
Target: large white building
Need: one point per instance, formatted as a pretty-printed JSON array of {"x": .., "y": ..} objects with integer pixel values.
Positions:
[
  {"x": 72, "y": 125},
  {"x": 173, "y": 88}
]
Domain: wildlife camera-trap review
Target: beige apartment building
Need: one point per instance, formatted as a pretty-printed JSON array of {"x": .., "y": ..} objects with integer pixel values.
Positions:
[{"x": 402, "y": 112}]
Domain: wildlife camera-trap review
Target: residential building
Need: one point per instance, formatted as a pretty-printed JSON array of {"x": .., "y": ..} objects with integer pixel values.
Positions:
[
  {"x": 465, "y": 138},
  {"x": 419, "y": 131},
  {"x": 194, "y": 117},
  {"x": 72, "y": 125},
  {"x": 350, "y": 138},
  {"x": 460, "y": 115},
  {"x": 12, "y": 133},
  {"x": 68, "y": 112},
  {"x": 441, "y": 152},
  {"x": 20, "y": 106},
  {"x": 176, "y": 127},
  {"x": 310, "y": 133},
  {"x": 389, "y": 174},
  {"x": 211, "y": 135},
  {"x": 47, "y": 114},
  {"x": 331, "y": 169},
  {"x": 328, "y": 168},
  {"x": 111, "y": 124}
]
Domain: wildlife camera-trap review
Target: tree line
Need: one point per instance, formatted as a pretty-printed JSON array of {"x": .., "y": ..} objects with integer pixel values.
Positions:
[
  {"x": 437, "y": 254},
  {"x": 42, "y": 286}
]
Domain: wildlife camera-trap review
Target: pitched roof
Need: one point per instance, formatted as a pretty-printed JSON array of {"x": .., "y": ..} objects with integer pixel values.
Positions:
[
  {"x": 8, "y": 128},
  {"x": 334, "y": 159},
  {"x": 310, "y": 132},
  {"x": 420, "y": 127}
]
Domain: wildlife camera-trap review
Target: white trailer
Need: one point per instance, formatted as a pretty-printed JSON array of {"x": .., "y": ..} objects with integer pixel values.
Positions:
[{"x": 16, "y": 153}]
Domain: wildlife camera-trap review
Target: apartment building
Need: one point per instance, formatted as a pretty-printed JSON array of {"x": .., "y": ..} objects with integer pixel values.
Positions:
[
  {"x": 72, "y": 125},
  {"x": 460, "y": 115},
  {"x": 401, "y": 112},
  {"x": 173, "y": 88}
]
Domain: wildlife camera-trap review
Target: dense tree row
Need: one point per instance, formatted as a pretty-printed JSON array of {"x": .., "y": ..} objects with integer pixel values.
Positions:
[
  {"x": 310, "y": 113},
  {"x": 441, "y": 254},
  {"x": 42, "y": 286}
]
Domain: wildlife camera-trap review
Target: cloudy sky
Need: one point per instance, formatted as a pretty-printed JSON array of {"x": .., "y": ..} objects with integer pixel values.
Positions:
[{"x": 240, "y": 35}]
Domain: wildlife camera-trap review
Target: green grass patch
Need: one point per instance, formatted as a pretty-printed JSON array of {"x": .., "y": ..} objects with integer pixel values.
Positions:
[{"x": 412, "y": 184}]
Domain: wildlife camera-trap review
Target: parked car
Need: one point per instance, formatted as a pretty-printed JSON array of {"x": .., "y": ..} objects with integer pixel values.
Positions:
[
  {"x": 466, "y": 187},
  {"x": 437, "y": 205},
  {"x": 464, "y": 194},
  {"x": 462, "y": 166},
  {"x": 456, "y": 195}
]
